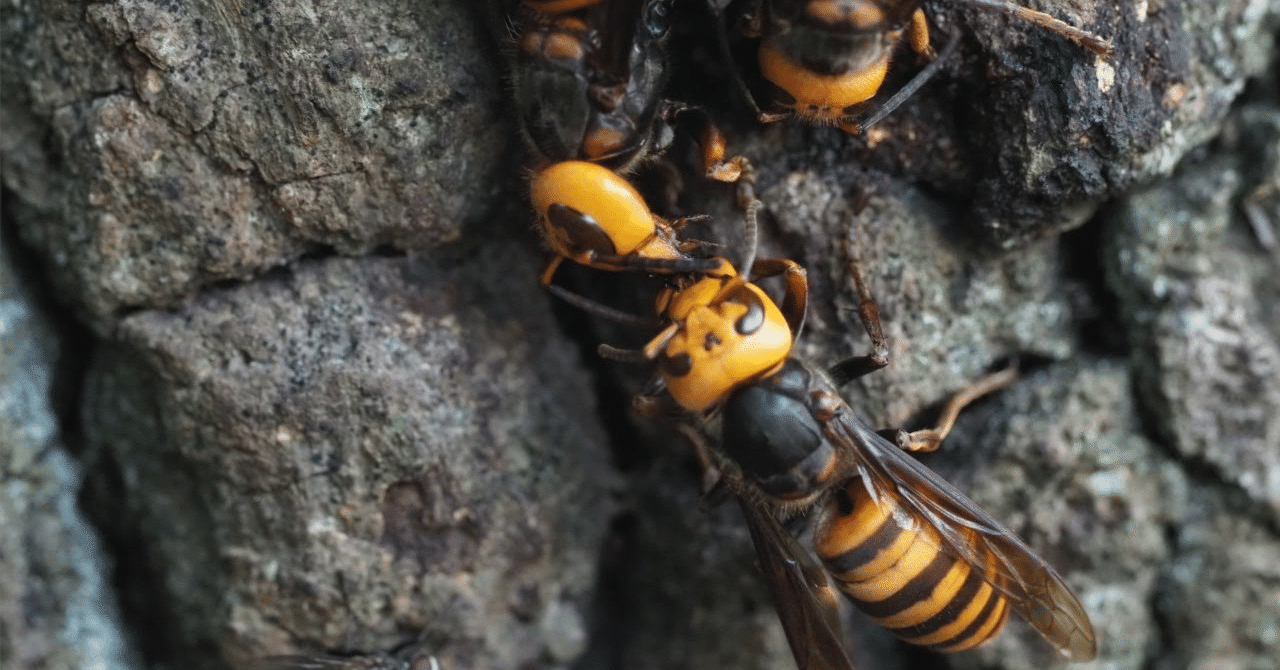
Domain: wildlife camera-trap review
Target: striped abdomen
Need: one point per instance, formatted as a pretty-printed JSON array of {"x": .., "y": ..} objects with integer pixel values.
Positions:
[{"x": 896, "y": 573}]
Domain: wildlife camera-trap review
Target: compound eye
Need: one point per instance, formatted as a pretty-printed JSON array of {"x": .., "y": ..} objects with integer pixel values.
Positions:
[
  {"x": 754, "y": 318},
  {"x": 582, "y": 231},
  {"x": 656, "y": 20},
  {"x": 676, "y": 366}
]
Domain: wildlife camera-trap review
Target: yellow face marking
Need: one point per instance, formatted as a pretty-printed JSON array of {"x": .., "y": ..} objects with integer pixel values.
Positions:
[
  {"x": 699, "y": 294},
  {"x": 819, "y": 97},
  {"x": 657, "y": 247},
  {"x": 722, "y": 358}
]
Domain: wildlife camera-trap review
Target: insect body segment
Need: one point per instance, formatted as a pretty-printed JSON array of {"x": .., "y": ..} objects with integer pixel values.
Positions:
[
  {"x": 591, "y": 215},
  {"x": 829, "y": 57},
  {"x": 934, "y": 525},
  {"x": 826, "y": 59},
  {"x": 770, "y": 432},
  {"x": 588, "y": 77},
  {"x": 912, "y": 552},
  {"x": 895, "y": 569}
]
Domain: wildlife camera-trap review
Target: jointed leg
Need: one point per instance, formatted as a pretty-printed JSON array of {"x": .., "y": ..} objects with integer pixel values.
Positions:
[
  {"x": 750, "y": 206},
  {"x": 710, "y": 139},
  {"x": 922, "y": 77},
  {"x": 586, "y": 304},
  {"x": 795, "y": 303},
  {"x": 1084, "y": 38},
  {"x": 706, "y": 458},
  {"x": 869, "y": 313},
  {"x": 752, "y": 28},
  {"x": 686, "y": 220},
  {"x": 918, "y": 34},
  {"x": 930, "y": 439},
  {"x": 657, "y": 266},
  {"x": 868, "y": 309}
]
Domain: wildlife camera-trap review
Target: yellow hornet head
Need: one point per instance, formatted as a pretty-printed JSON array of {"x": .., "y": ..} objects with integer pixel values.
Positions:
[{"x": 724, "y": 332}]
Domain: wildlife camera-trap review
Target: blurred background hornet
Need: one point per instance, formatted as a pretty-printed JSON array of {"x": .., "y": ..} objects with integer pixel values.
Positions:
[
  {"x": 588, "y": 79},
  {"x": 824, "y": 60},
  {"x": 911, "y": 551}
]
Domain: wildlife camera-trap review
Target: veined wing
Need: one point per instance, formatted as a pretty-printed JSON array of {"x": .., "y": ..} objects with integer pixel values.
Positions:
[
  {"x": 967, "y": 533},
  {"x": 806, "y": 602}
]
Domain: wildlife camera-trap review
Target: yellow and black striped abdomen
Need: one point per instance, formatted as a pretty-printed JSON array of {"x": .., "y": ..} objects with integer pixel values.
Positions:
[{"x": 892, "y": 566}]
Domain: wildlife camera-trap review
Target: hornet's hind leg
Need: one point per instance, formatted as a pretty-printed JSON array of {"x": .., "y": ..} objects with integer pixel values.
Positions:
[
  {"x": 930, "y": 439},
  {"x": 869, "y": 313}
]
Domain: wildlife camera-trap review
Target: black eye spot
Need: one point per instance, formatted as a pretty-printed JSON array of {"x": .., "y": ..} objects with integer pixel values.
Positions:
[
  {"x": 583, "y": 232},
  {"x": 711, "y": 341},
  {"x": 676, "y": 366}
]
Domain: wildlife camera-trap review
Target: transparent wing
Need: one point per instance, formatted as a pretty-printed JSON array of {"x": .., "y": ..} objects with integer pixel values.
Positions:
[
  {"x": 806, "y": 602},
  {"x": 966, "y": 532}
]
